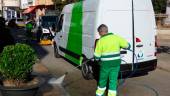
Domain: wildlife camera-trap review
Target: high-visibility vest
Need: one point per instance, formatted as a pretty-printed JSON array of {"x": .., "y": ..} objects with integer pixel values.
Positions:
[
  {"x": 108, "y": 47},
  {"x": 29, "y": 26}
]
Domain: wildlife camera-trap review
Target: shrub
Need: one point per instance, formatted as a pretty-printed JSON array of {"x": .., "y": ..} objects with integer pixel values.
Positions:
[
  {"x": 159, "y": 6},
  {"x": 16, "y": 61}
]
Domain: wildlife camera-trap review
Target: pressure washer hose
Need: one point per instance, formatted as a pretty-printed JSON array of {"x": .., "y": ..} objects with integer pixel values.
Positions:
[{"x": 134, "y": 69}]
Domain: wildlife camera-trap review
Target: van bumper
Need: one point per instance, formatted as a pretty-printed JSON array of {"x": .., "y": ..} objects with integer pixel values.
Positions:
[{"x": 140, "y": 69}]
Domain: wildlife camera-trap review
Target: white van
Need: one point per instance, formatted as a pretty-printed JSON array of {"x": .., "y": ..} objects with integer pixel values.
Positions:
[{"x": 132, "y": 19}]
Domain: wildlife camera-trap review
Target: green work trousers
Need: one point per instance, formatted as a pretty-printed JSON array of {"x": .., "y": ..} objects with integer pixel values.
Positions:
[{"x": 108, "y": 72}]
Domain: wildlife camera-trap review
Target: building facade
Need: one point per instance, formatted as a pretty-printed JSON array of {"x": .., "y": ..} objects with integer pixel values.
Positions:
[
  {"x": 24, "y": 4},
  {"x": 167, "y": 20},
  {"x": 44, "y": 2},
  {"x": 11, "y": 3},
  {"x": 1, "y": 1},
  {"x": 9, "y": 8}
]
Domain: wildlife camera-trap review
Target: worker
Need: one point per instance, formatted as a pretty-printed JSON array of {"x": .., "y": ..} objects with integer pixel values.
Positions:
[
  {"x": 107, "y": 51},
  {"x": 29, "y": 27},
  {"x": 39, "y": 34},
  {"x": 5, "y": 36}
]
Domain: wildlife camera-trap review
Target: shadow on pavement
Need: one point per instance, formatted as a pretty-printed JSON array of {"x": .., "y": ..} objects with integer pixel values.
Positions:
[
  {"x": 41, "y": 52},
  {"x": 163, "y": 49},
  {"x": 93, "y": 65}
]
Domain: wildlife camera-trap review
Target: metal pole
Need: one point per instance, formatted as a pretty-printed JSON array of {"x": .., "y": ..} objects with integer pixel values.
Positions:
[
  {"x": 2, "y": 5},
  {"x": 20, "y": 7},
  {"x": 133, "y": 35},
  {"x": 55, "y": 5}
]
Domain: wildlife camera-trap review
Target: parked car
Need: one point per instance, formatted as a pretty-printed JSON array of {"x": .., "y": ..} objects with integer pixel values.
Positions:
[
  {"x": 48, "y": 22},
  {"x": 47, "y": 26},
  {"x": 17, "y": 22},
  {"x": 20, "y": 22}
]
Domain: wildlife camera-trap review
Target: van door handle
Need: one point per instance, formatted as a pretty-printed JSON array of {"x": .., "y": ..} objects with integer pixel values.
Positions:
[
  {"x": 139, "y": 45},
  {"x": 123, "y": 52}
]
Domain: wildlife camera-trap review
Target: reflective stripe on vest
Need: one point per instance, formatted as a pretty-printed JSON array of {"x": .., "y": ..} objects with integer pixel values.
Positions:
[{"x": 109, "y": 56}]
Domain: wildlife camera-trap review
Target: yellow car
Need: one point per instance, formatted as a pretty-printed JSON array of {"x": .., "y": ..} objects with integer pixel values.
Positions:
[{"x": 46, "y": 39}]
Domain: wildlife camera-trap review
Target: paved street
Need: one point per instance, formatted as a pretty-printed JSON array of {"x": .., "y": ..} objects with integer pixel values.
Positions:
[
  {"x": 154, "y": 84},
  {"x": 75, "y": 85},
  {"x": 164, "y": 37},
  {"x": 62, "y": 78}
]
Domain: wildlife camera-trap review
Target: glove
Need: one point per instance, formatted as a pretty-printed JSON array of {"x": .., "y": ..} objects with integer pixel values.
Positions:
[{"x": 129, "y": 46}]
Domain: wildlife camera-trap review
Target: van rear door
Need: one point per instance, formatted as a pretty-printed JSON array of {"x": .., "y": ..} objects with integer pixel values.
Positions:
[
  {"x": 145, "y": 30},
  {"x": 118, "y": 17}
]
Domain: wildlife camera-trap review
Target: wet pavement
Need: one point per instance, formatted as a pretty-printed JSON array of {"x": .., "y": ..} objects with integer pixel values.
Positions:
[{"x": 156, "y": 83}]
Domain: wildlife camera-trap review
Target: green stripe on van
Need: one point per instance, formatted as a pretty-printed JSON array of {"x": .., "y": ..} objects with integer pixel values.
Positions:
[{"x": 74, "y": 43}]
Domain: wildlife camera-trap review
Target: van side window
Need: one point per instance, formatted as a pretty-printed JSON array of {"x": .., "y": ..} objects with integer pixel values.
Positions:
[{"x": 60, "y": 23}]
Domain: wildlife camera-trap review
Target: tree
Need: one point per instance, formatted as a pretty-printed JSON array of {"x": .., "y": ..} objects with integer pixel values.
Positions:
[
  {"x": 159, "y": 6},
  {"x": 65, "y": 1},
  {"x": 59, "y": 4}
]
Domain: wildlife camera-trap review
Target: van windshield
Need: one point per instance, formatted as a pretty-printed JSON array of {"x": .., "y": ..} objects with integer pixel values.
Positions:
[
  {"x": 48, "y": 21},
  {"x": 20, "y": 19}
]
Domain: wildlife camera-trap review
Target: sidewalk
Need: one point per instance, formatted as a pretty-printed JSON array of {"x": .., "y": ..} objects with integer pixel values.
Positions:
[
  {"x": 164, "y": 58},
  {"x": 48, "y": 89},
  {"x": 163, "y": 36},
  {"x": 42, "y": 71},
  {"x": 57, "y": 90}
]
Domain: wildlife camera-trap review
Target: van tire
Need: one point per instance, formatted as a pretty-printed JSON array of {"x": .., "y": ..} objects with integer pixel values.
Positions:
[
  {"x": 56, "y": 54},
  {"x": 86, "y": 70}
]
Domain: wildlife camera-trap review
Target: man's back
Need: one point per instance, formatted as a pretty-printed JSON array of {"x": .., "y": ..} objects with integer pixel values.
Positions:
[{"x": 112, "y": 43}]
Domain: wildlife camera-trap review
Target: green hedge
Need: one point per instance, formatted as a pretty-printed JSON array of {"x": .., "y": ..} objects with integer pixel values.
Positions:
[{"x": 16, "y": 61}]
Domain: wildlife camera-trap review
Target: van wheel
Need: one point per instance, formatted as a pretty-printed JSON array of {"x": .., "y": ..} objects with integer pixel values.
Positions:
[
  {"x": 86, "y": 70},
  {"x": 56, "y": 51}
]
